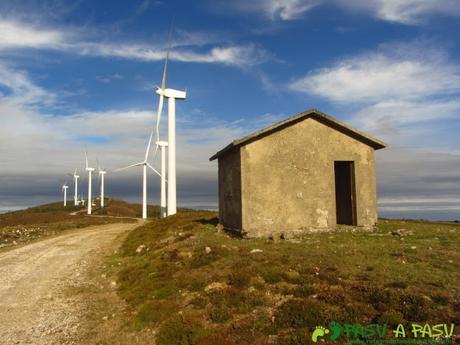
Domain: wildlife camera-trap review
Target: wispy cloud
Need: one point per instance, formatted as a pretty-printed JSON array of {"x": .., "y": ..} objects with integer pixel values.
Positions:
[
  {"x": 234, "y": 55},
  {"x": 109, "y": 78},
  {"x": 274, "y": 9},
  {"x": 14, "y": 35},
  {"x": 398, "y": 84},
  {"x": 52, "y": 145},
  {"x": 18, "y": 35},
  {"x": 21, "y": 90},
  {"x": 408, "y": 12}
]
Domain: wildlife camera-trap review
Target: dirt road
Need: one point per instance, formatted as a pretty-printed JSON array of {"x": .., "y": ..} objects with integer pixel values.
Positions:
[{"x": 35, "y": 307}]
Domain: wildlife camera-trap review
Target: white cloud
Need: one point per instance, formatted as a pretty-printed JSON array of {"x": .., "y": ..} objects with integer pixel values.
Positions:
[
  {"x": 396, "y": 71},
  {"x": 384, "y": 118},
  {"x": 109, "y": 78},
  {"x": 275, "y": 9},
  {"x": 236, "y": 55},
  {"x": 53, "y": 145},
  {"x": 23, "y": 90},
  {"x": 408, "y": 12},
  {"x": 397, "y": 85},
  {"x": 17, "y": 35}
]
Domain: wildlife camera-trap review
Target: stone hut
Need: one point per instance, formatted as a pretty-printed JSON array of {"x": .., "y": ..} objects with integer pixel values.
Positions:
[{"x": 308, "y": 172}]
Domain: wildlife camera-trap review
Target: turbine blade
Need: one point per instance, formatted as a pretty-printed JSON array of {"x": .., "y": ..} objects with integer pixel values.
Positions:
[
  {"x": 165, "y": 66},
  {"x": 154, "y": 170},
  {"x": 86, "y": 159},
  {"x": 159, "y": 112},
  {"x": 163, "y": 86},
  {"x": 148, "y": 146},
  {"x": 129, "y": 166}
]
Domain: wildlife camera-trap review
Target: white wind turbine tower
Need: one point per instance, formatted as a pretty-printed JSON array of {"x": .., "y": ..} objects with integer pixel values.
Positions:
[
  {"x": 89, "y": 170},
  {"x": 163, "y": 145},
  {"x": 75, "y": 180},
  {"x": 172, "y": 95},
  {"x": 144, "y": 165},
  {"x": 102, "y": 172},
  {"x": 64, "y": 189}
]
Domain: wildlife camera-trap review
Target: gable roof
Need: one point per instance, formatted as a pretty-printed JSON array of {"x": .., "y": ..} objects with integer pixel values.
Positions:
[{"x": 311, "y": 113}]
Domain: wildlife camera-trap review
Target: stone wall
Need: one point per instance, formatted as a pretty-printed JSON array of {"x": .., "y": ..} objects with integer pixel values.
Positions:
[{"x": 287, "y": 180}]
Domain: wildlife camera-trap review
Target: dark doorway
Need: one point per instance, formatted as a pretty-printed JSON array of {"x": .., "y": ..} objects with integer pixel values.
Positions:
[{"x": 345, "y": 199}]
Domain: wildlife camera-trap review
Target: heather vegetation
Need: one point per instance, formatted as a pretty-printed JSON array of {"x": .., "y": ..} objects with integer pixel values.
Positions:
[{"x": 195, "y": 285}]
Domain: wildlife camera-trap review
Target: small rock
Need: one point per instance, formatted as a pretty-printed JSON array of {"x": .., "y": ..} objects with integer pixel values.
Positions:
[
  {"x": 215, "y": 286},
  {"x": 113, "y": 284},
  {"x": 140, "y": 249},
  {"x": 103, "y": 275},
  {"x": 208, "y": 250},
  {"x": 105, "y": 318},
  {"x": 413, "y": 247},
  {"x": 256, "y": 251}
]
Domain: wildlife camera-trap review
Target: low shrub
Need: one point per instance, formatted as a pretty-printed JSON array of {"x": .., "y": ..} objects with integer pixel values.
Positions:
[
  {"x": 299, "y": 313},
  {"x": 180, "y": 331}
]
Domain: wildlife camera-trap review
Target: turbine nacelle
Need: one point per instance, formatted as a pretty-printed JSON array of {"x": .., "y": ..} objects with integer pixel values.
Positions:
[
  {"x": 171, "y": 93},
  {"x": 162, "y": 143}
]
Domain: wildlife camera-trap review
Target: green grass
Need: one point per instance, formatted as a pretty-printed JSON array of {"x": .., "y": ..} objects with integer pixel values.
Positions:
[{"x": 229, "y": 295}]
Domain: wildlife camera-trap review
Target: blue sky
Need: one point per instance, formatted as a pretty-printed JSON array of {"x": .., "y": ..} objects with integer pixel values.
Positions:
[{"x": 82, "y": 74}]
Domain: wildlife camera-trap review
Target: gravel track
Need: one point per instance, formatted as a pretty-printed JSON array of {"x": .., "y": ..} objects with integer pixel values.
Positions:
[{"x": 34, "y": 279}]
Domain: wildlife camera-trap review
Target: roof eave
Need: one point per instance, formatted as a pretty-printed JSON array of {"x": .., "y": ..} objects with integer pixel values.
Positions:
[{"x": 320, "y": 116}]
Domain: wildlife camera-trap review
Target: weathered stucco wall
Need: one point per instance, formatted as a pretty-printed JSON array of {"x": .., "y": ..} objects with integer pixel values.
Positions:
[
  {"x": 288, "y": 181},
  {"x": 230, "y": 190}
]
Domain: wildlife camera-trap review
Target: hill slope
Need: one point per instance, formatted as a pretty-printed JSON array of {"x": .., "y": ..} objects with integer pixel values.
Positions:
[
  {"x": 45, "y": 220},
  {"x": 194, "y": 285}
]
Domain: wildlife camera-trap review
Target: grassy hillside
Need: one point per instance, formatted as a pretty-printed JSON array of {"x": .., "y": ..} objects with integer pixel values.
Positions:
[
  {"x": 45, "y": 220},
  {"x": 193, "y": 285}
]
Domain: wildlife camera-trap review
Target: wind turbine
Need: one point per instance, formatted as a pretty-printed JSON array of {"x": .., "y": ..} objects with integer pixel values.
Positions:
[
  {"x": 172, "y": 95},
  {"x": 144, "y": 165},
  {"x": 89, "y": 170},
  {"x": 102, "y": 172},
  {"x": 75, "y": 180},
  {"x": 163, "y": 145},
  {"x": 64, "y": 189}
]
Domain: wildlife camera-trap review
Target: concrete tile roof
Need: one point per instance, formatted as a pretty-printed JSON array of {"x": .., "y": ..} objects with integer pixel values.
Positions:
[{"x": 311, "y": 113}]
